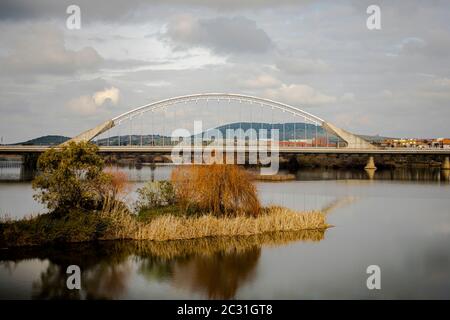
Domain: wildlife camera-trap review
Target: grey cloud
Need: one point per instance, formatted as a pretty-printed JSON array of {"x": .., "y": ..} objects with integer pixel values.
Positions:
[
  {"x": 41, "y": 50},
  {"x": 301, "y": 66},
  {"x": 436, "y": 44},
  {"x": 111, "y": 10},
  {"x": 222, "y": 34},
  {"x": 114, "y": 64},
  {"x": 50, "y": 9},
  {"x": 410, "y": 46}
]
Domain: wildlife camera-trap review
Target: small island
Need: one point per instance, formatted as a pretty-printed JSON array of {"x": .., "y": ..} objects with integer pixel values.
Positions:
[{"x": 86, "y": 203}]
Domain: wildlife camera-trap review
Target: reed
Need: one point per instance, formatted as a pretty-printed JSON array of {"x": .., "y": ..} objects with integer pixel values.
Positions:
[{"x": 122, "y": 225}]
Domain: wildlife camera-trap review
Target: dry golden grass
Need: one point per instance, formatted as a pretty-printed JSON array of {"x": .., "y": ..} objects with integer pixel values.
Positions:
[{"x": 169, "y": 227}]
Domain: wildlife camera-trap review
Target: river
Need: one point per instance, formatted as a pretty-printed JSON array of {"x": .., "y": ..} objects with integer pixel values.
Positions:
[{"x": 398, "y": 220}]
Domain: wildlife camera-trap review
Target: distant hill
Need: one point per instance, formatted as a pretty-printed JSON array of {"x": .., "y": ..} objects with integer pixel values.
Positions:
[
  {"x": 49, "y": 140},
  {"x": 286, "y": 131}
]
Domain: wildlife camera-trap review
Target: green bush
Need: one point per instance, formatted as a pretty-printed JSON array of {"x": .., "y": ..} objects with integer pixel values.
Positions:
[
  {"x": 74, "y": 226},
  {"x": 155, "y": 194},
  {"x": 71, "y": 177}
]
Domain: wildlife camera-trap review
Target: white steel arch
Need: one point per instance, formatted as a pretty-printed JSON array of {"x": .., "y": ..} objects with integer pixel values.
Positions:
[
  {"x": 219, "y": 97},
  {"x": 351, "y": 140}
]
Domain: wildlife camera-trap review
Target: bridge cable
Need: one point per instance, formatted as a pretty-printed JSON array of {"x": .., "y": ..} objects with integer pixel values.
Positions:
[
  {"x": 306, "y": 135},
  {"x": 142, "y": 126},
  {"x": 240, "y": 120},
  {"x": 131, "y": 130},
  {"x": 164, "y": 126},
  {"x": 152, "y": 129},
  {"x": 295, "y": 142},
  {"x": 271, "y": 130},
  {"x": 251, "y": 124}
]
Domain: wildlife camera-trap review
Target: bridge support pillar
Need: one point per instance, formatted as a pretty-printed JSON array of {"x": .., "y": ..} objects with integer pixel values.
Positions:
[
  {"x": 446, "y": 164},
  {"x": 370, "y": 164}
]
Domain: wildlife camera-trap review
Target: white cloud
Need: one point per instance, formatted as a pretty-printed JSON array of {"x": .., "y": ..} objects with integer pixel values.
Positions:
[
  {"x": 386, "y": 94},
  {"x": 83, "y": 105},
  {"x": 262, "y": 81},
  {"x": 299, "y": 94},
  {"x": 88, "y": 105},
  {"x": 348, "y": 97},
  {"x": 101, "y": 96},
  {"x": 157, "y": 83},
  {"x": 443, "y": 82},
  {"x": 302, "y": 66}
]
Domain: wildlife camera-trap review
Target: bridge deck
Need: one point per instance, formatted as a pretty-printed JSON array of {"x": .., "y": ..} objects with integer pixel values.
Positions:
[{"x": 299, "y": 150}]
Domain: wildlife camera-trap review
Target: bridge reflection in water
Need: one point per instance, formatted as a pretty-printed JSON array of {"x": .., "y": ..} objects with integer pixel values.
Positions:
[{"x": 15, "y": 171}]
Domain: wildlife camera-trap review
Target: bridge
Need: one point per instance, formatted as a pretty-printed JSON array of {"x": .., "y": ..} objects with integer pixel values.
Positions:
[
  {"x": 350, "y": 140},
  {"x": 148, "y": 130},
  {"x": 24, "y": 149}
]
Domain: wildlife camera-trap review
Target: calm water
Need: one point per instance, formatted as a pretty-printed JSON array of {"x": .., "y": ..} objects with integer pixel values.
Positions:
[{"x": 398, "y": 220}]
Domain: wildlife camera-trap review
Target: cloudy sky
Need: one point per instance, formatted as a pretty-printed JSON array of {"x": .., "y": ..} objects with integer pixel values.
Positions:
[{"x": 317, "y": 55}]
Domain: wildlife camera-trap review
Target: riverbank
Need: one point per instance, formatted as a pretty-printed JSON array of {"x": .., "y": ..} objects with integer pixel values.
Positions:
[
  {"x": 275, "y": 177},
  {"x": 80, "y": 226}
]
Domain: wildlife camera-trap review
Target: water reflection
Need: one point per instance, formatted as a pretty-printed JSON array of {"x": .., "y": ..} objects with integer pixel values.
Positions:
[
  {"x": 338, "y": 203},
  {"x": 214, "y": 268},
  {"x": 104, "y": 269},
  {"x": 400, "y": 174},
  {"x": 445, "y": 175},
  {"x": 217, "y": 276},
  {"x": 16, "y": 171},
  {"x": 370, "y": 173}
]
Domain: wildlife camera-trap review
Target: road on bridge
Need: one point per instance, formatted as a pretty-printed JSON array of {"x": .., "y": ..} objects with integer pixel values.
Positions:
[{"x": 19, "y": 149}]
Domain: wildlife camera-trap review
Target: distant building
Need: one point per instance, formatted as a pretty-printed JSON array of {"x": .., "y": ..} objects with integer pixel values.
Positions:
[
  {"x": 407, "y": 143},
  {"x": 443, "y": 143}
]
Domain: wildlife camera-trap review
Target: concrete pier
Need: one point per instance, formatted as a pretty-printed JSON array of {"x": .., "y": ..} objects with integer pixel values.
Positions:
[{"x": 370, "y": 164}]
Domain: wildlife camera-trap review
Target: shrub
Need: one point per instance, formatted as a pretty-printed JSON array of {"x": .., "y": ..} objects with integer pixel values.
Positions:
[
  {"x": 75, "y": 226},
  {"x": 218, "y": 189},
  {"x": 71, "y": 177},
  {"x": 118, "y": 185},
  {"x": 155, "y": 194}
]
